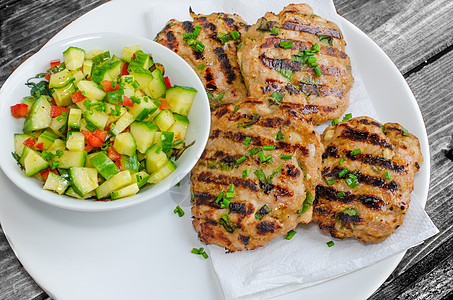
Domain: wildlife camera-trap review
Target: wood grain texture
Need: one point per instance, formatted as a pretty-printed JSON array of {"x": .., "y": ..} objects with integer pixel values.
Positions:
[{"x": 416, "y": 34}]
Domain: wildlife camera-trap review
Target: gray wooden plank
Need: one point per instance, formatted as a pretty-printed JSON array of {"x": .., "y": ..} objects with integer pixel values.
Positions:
[{"x": 410, "y": 32}]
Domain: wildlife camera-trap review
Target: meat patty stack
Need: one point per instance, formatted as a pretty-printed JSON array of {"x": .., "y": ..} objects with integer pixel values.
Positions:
[{"x": 260, "y": 174}]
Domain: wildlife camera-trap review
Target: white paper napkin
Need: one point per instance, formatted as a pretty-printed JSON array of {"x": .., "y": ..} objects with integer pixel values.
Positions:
[{"x": 283, "y": 266}]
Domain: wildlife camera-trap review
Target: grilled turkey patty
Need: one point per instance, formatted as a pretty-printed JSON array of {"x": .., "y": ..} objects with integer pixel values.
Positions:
[
  {"x": 368, "y": 174},
  {"x": 268, "y": 200},
  {"x": 272, "y": 60},
  {"x": 217, "y": 65}
]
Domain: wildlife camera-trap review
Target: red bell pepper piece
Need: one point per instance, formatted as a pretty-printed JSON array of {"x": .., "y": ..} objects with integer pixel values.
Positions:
[
  {"x": 92, "y": 139},
  {"x": 53, "y": 102},
  {"x": 88, "y": 147},
  {"x": 19, "y": 110},
  {"x": 118, "y": 164},
  {"x": 100, "y": 134},
  {"x": 107, "y": 86},
  {"x": 30, "y": 142},
  {"x": 112, "y": 154},
  {"x": 54, "y": 63},
  {"x": 47, "y": 76},
  {"x": 167, "y": 82},
  {"x": 164, "y": 104},
  {"x": 124, "y": 70},
  {"x": 40, "y": 146},
  {"x": 77, "y": 97},
  {"x": 58, "y": 111},
  {"x": 126, "y": 102},
  {"x": 45, "y": 173}
]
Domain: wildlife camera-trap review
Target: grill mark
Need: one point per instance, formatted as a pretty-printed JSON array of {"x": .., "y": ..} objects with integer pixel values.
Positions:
[
  {"x": 215, "y": 134},
  {"x": 206, "y": 199},
  {"x": 225, "y": 65},
  {"x": 274, "y": 122},
  {"x": 253, "y": 101},
  {"x": 377, "y": 161},
  {"x": 294, "y": 26},
  {"x": 369, "y": 122},
  {"x": 281, "y": 64},
  {"x": 266, "y": 227},
  {"x": 310, "y": 89},
  {"x": 362, "y": 178},
  {"x": 292, "y": 171},
  {"x": 188, "y": 26},
  {"x": 330, "y": 194},
  {"x": 320, "y": 211},
  {"x": 221, "y": 111},
  {"x": 221, "y": 179},
  {"x": 330, "y": 151},
  {"x": 300, "y": 45},
  {"x": 283, "y": 192},
  {"x": 271, "y": 85},
  {"x": 394, "y": 129},
  {"x": 210, "y": 82},
  {"x": 297, "y": 108},
  {"x": 238, "y": 208},
  {"x": 346, "y": 219},
  {"x": 171, "y": 42},
  {"x": 364, "y": 136},
  {"x": 244, "y": 239}
]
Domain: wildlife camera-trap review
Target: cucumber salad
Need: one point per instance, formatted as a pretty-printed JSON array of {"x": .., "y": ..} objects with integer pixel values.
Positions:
[{"x": 98, "y": 126}]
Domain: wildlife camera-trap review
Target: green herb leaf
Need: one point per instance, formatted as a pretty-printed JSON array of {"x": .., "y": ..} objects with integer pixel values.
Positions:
[{"x": 279, "y": 136}]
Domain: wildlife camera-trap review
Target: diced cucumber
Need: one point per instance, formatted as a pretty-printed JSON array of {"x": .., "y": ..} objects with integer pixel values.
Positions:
[
  {"x": 141, "y": 59},
  {"x": 164, "y": 119},
  {"x": 155, "y": 159},
  {"x": 93, "y": 53},
  {"x": 163, "y": 172},
  {"x": 47, "y": 138},
  {"x": 115, "y": 97},
  {"x": 39, "y": 116},
  {"x": 33, "y": 162},
  {"x": 91, "y": 90},
  {"x": 86, "y": 68},
  {"x": 141, "y": 178},
  {"x": 143, "y": 133},
  {"x": 107, "y": 71},
  {"x": 83, "y": 180},
  {"x": 179, "y": 128},
  {"x": 60, "y": 79},
  {"x": 129, "y": 162},
  {"x": 180, "y": 99},
  {"x": 125, "y": 144},
  {"x": 97, "y": 118},
  {"x": 73, "y": 58},
  {"x": 29, "y": 101},
  {"x": 62, "y": 95},
  {"x": 122, "y": 123},
  {"x": 144, "y": 109},
  {"x": 56, "y": 183},
  {"x": 59, "y": 125},
  {"x": 19, "y": 140},
  {"x": 128, "y": 52},
  {"x": 78, "y": 75},
  {"x": 71, "y": 193},
  {"x": 125, "y": 191},
  {"x": 75, "y": 141},
  {"x": 156, "y": 88},
  {"x": 57, "y": 145},
  {"x": 142, "y": 76},
  {"x": 72, "y": 159},
  {"x": 104, "y": 165},
  {"x": 116, "y": 182},
  {"x": 75, "y": 115},
  {"x": 101, "y": 58}
]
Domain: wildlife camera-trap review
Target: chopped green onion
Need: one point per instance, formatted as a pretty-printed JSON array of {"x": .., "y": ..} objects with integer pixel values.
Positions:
[
  {"x": 355, "y": 151},
  {"x": 277, "y": 98},
  {"x": 290, "y": 234},
  {"x": 383, "y": 129},
  {"x": 200, "y": 252},
  {"x": 241, "y": 159},
  {"x": 335, "y": 122},
  {"x": 225, "y": 202},
  {"x": 236, "y": 108},
  {"x": 331, "y": 181},
  {"x": 224, "y": 37},
  {"x": 405, "y": 132},
  {"x": 347, "y": 117},
  {"x": 318, "y": 71},
  {"x": 340, "y": 194},
  {"x": 54, "y": 165},
  {"x": 261, "y": 156},
  {"x": 268, "y": 147},
  {"x": 113, "y": 84},
  {"x": 343, "y": 172},
  {"x": 177, "y": 142},
  {"x": 246, "y": 173},
  {"x": 341, "y": 161},
  {"x": 220, "y": 197},
  {"x": 135, "y": 84},
  {"x": 231, "y": 188},
  {"x": 316, "y": 47},
  {"x": 351, "y": 182},
  {"x": 286, "y": 44},
  {"x": 178, "y": 210},
  {"x": 200, "y": 67},
  {"x": 387, "y": 175},
  {"x": 235, "y": 35},
  {"x": 286, "y": 157},
  {"x": 279, "y": 136},
  {"x": 247, "y": 141},
  {"x": 330, "y": 243}
]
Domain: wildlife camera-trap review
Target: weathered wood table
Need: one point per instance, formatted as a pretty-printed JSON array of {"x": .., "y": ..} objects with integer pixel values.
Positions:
[{"x": 416, "y": 34}]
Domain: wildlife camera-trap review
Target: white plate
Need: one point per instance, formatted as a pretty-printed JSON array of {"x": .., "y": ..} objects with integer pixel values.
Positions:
[
  {"x": 177, "y": 69},
  {"x": 143, "y": 252}
]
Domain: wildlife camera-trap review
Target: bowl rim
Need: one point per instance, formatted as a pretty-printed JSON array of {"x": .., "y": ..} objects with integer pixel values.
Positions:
[{"x": 75, "y": 204}]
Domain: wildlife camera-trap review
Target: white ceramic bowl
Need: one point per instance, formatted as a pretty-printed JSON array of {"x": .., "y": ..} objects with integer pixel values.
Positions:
[{"x": 178, "y": 71}]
